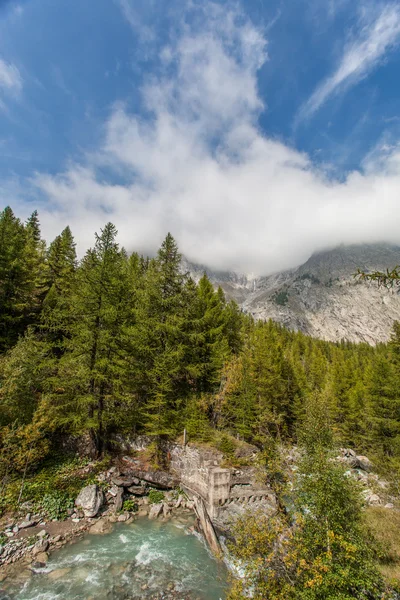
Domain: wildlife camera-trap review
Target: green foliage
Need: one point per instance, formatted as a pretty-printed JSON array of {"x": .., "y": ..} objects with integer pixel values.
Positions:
[
  {"x": 156, "y": 496},
  {"x": 226, "y": 445},
  {"x": 281, "y": 298},
  {"x": 59, "y": 476},
  {"x": 319, "y": 550},
  {"x": 56, "y": 505},
  {"x": 130, "y": 505}
]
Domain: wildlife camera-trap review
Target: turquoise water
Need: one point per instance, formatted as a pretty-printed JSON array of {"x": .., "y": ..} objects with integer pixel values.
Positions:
[{"x": 143, "y": 560}]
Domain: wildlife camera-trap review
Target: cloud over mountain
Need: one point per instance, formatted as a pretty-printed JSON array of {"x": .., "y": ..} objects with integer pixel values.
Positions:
[{"x": 199, "y": 166}]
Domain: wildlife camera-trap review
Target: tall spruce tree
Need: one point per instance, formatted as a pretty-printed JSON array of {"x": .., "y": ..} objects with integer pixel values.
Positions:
[{"x": 87, "y": 392}]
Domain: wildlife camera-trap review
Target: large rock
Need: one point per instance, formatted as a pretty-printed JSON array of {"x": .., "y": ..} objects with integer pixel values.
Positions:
[
  {"x": 90, "y": 500},
  {"x": 119, "y": 500},
  {"x": 159, "y": 479},
  {"x": 100, "y": 527},
  {"x": 155, "y": 510},
  {"x": 125, "y": 481},
  {"x": 364, "y": 463}
]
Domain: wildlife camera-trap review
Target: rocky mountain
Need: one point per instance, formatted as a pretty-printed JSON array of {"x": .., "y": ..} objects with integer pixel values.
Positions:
[{"x": 322, "y": 297}]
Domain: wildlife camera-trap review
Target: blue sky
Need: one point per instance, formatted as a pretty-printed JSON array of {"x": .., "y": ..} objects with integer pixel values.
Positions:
[{"x": 257, "y": 132}]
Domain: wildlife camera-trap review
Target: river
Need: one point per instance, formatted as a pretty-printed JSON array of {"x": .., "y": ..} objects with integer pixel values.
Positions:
[{"x": 143, "y": 560}]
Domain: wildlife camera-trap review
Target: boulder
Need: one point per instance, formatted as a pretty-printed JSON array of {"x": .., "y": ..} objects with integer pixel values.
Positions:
[
  {"x": 155, "y": 510},
  {"x": 158, "y": 479},
  {"x": 100, "y": 527},
  {"x": 40, "y": 547},
  {"x": 113, "y": 491},
  {"x": 364, "y": 463},
  {"x": 41, "y": 558},
  {"x": 42, "y": 534},
  {"x": 119, "y": 501},
  {"x": 125, "y": 481},
  {"x": 373, "y": 500},
  {"x": 123, "y": 518},
  {"x": 90, "y": 500},
  {"x": 26, "y": 524},
  {"x": 179, "y": 501}
]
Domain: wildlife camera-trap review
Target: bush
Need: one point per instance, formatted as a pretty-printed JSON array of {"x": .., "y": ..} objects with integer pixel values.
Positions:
[
  {"x": 155, "y": 496},
  {"x": 281, "y": 298},
  {"x": 130, "y": 506},
  {"x": 227, "y": 446},
  {"x": 56, "y": 505}
]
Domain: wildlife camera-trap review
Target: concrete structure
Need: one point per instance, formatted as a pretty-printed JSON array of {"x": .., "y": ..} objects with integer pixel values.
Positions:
[{"x": 227, "y": 492}]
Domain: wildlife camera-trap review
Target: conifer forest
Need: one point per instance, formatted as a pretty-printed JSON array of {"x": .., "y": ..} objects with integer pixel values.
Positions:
[{"x": 119, "y": 344}]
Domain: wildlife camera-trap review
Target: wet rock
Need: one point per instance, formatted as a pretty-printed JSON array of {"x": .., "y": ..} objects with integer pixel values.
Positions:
[
  {"x": 123, "y": 518},
  {"x": 90, "y": 500},
  {"x": 155, "y": 510},
  {"x": 40, "y": 547},
  {"x": 58, "y": 573},
  {"x": 101, "y": 527}
]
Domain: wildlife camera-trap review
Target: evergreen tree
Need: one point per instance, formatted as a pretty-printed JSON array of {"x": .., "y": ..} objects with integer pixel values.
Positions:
[
  {"x": 87, "y": 392},
  {"x": 159, "y": 341},
  {"x": 22, "y": 276}
]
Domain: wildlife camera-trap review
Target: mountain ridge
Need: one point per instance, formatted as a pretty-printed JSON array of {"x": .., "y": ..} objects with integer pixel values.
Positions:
[{"x": 321, "y": 297}]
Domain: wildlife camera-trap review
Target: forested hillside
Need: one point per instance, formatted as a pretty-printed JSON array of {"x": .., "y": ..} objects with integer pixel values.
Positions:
[
  {"x": 126, "y": 344},
  {"x": 118, "y": 343}
]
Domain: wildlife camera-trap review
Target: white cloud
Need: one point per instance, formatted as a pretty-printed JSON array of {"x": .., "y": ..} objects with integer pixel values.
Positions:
[
  {"x": 10, "y": 77},
  {"x": 200, "y": 167},
  {"x": 133, "y": 15},
  {"x": 360, "y": 56}
]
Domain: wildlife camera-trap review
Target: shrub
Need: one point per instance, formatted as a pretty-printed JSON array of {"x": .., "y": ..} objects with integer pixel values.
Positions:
[
  {"x": 227, "y": 446},
  {"x": 130, "y": 505},
  {"x": 281, "y": 298},
  {"x": 56, "y": 505},
  {"x": 155, "y": 496}
]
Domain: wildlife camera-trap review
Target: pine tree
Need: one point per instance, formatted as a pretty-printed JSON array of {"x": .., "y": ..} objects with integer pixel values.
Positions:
[
  {"x": 57, "y": 315},
  {"x": 22, "y": 276},
  {"x": 159, "y": 341},
  {"x": 87, "y": 390}
]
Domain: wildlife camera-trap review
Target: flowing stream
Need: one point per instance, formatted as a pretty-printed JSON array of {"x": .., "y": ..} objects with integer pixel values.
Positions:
[{"x": 145, "y": 559}]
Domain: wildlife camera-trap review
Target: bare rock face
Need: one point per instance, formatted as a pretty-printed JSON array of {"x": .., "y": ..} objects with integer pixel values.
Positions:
[
  {"x": 90, "y": 500},
  {"x": 119, "y": 501},
  {"x": 322, "y": 298}
]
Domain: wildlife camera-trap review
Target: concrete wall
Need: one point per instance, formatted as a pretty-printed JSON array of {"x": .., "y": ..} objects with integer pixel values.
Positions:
[{"x": 223, "y": 490}]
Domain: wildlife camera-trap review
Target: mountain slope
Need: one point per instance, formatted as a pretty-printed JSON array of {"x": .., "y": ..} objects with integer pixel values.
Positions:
[{"x": 321, "y": 297}]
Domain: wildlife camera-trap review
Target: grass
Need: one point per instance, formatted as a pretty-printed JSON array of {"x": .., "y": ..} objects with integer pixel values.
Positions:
[
  {"x": 385, "y": 526},
  {"x": 57, "y": 480}
]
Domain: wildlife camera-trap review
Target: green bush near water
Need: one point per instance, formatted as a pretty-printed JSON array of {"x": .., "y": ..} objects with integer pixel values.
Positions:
[{"x": 155, "y": 496}]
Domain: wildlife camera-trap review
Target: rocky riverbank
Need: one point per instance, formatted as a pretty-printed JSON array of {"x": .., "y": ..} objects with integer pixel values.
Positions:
[
  {"x": 131, "y": 489},
  {"x": 26, "y": 540}
]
